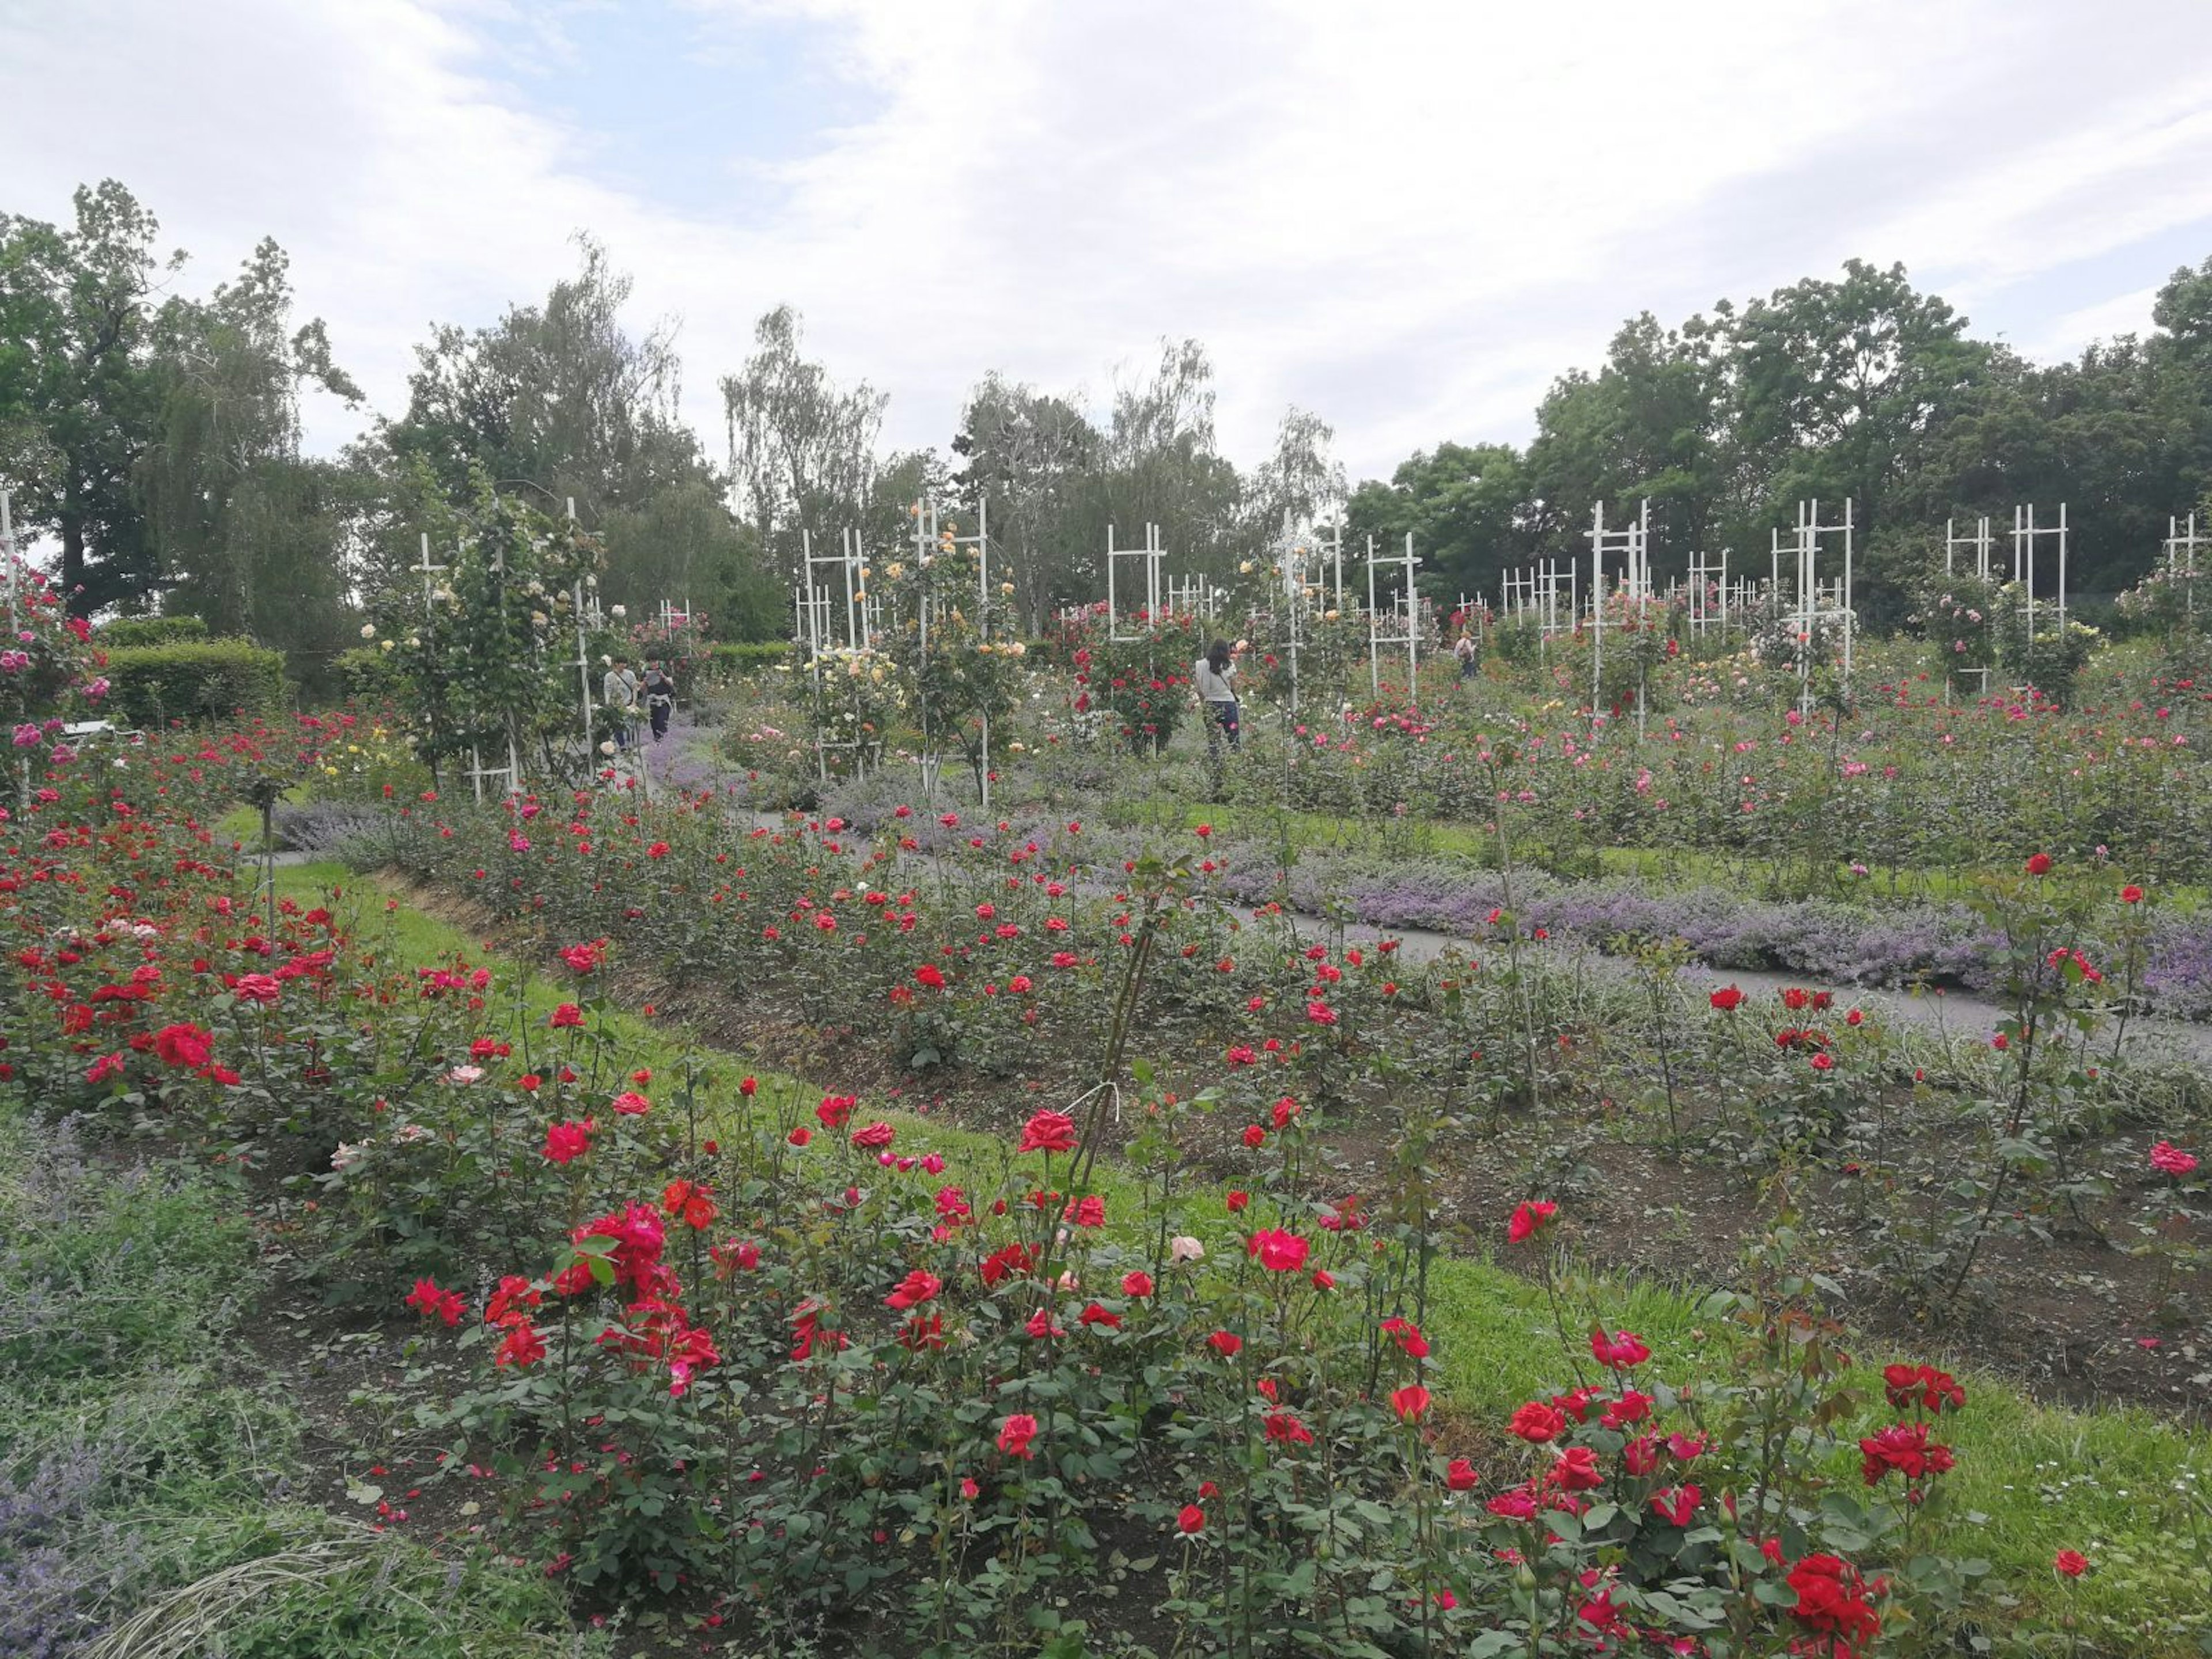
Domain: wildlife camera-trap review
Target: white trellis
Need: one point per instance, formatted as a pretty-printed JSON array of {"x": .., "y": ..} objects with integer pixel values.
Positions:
[
  {"x": 1712, "y": 596},
  {"x": 1630, "y": 544},
  {"x": 1977, "y": 542},
  {"x": 932, "y": 534},
  {"x": 429, "y": 569},
  {"x": 815, "y": 616},
  {"x": 2181, "y": 544},
  {"x": 1193, "y": 595},
  {"x": 1150, "y": 556},
  {"x": 1813, "y": 601},
  {"x": 2027, "y": 536},
  {"x": 1401, "y": 626},
  {"x": 1546, "y": 595}
]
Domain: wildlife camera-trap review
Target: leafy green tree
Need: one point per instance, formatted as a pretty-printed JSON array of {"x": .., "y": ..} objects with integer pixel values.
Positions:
[
  {"x": 1650, "y": 424},
  {"x": 245, "y": 530},
  {"x": 802, "y": 449},
  {"x": 78, "y": 394},
  {"x": 1838, "y": 387},
  {"x": 1028, "y": 454},
  {"x": 560, "y": 402},
  {"x": 1466, "y": 509}
]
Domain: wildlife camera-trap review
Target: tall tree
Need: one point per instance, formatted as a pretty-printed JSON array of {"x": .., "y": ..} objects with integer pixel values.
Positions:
[
  {"x": 1028, "y": 454},
  {"x": 1839, "y": 386},
  {"x": 561, "y": 403},
  {"x": 1301, "y": 484},
  {"x": 1648, "y": 426},
  {"x": 1158, "y": 465},
  {"x": 802, "y": 449},
  {"x": 77, "y": 392},
  {"x": 244, "y": 528},
  {"x": 1465, "y": 506}
]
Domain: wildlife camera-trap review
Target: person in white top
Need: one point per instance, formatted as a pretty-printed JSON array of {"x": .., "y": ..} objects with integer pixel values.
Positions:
[
  {"x": 1212, "y": 676},
  {"x": 618, "y": 693}
]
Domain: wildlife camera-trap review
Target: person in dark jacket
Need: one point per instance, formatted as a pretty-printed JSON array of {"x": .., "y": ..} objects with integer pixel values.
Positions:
[{"x": 659, "y": 699}]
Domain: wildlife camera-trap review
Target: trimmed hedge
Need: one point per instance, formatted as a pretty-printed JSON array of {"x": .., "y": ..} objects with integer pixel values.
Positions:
[
  {"x": 721, "y": 663},
  {"x": 151, "y": 685},
  {"x": 135, "y": 631}
]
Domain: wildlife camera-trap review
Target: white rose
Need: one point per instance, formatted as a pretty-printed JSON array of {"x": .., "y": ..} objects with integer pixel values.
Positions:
[{"x": 368, "y": 630}]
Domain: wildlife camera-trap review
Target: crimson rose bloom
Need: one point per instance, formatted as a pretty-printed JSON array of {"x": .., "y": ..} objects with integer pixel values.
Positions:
[
  {"x": 1934, "y": 1389},
  {"x": 2071, "y": 1563},
  {"x": 1728, "y": 998},
  {"x": 917, "y": 1288},
  {"x": 1191, "y": 1521},
  {"x": 1410, "y": 1402},
  {"x": 1832, "y": 1599},
  {"x": 872, "y": 1137},
  {"x": 1903, "y": 1447},
  {"x": 1048, "y": 1132},
  {"x": 1460, "y": 1476},
  {"x": 1284, "y": 1427},
  {"x": 1136, "y": 1284},
  {"x": 2171, "y": 1160},
  {"x": 1536, "y": 1422},
  {"x": 1622, "y": 1351},
  {"x": 1016, "y": 1433},
  {"x": 1577, "y": 1469},
  {"x": 2039, "y": 864},
  {"x": 1529, "y": 1219},
  {"x": 522, "y": 1345},
  {"x": 566, "y": 1015},
  {"x": 1277, "y": 1251},
  {"x": 564, "y": 1141},
  {"x": 186, "y": 1046}
]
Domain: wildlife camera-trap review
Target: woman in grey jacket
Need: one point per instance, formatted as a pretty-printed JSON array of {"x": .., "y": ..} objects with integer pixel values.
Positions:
[{"x": 1212, "y": 676}]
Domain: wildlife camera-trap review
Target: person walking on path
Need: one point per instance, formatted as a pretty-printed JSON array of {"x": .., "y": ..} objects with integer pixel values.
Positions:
[
  {"x": 618, "y": 692},
  {"x": 659, "y": 699},
  {"x": 1467, "y": 655},
  {"x": 1212, "y": 677}
]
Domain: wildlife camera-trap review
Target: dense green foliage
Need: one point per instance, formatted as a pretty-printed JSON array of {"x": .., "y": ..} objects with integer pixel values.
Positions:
[
  {"x": 193, "y": 680},
  {"x": 1862, "y": 387},
  {"x": 151, "y": 630}
]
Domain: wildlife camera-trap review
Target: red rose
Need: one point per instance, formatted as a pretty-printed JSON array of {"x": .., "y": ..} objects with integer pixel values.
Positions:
[
  {"x": 2039, "y": 864},
  {"x": 1191, "y": 1521},
  {"x": 1537, "y": 1423},
  {"x": 1048, "y": 1132},
  {"x": 1529, "y": 1219},
  {"x": 1577, "y": 1469},
  {"x": 1016, "y": 1433}
]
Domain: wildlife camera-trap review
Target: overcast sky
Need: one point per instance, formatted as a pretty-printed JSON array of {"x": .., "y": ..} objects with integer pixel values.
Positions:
[{"x": 1407, "y": 218}]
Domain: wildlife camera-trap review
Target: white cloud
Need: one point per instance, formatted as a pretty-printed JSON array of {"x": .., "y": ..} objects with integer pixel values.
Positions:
[{"x": 1406, "y": 217}]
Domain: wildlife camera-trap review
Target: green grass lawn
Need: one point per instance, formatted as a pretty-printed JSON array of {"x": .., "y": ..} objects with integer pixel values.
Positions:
[{"x": 2131, "y": 1490}]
